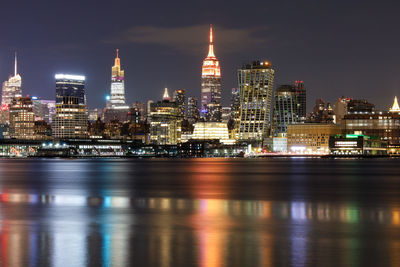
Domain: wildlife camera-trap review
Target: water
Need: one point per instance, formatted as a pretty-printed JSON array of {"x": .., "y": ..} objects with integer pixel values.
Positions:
[{"x": 200, "y": 212}]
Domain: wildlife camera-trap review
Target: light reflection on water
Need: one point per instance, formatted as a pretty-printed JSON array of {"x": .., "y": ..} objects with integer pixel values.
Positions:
[
  {"x": 199, "y": 213},
  {"x": 299, "y": 212}
]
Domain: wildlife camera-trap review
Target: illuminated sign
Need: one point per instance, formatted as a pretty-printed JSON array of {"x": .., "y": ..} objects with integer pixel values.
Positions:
[
  {"x": 69, "y": 77},
  {"x": 346, "y": 143}
]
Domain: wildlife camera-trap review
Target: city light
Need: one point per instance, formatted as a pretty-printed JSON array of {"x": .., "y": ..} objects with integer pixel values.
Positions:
[{"x": 69, "y": 77}]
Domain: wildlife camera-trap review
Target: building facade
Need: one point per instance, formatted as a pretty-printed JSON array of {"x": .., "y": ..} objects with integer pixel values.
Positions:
[
  {"x": 310, "y": 138},
  {"x": 357, "y": 145},
  {"x": 211, "y": 89},
  {"x": 340, "y": 109},
  {"x": 117, "y": 96},
  {"x": 142, "y": 107},
  {"x": 44, "y": 109},
  {"x": 193, "y": 112},
  {"x": 70, "y": 120},
  {"x": 301, "y": 100},
  {"x": 22, "y": 118},
  {"x": 285, "y": 108},
  {"x": 165, "y": 125},
  {"x": 180, "y": 99},
  {"x": 212, "y": 131},
  {"x": 359, "y": 106},
  {"x": 385, "y": 125},
  {"x": 256, "y": 83}
]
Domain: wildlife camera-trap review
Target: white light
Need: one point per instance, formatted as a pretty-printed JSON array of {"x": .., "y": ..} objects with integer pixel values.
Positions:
[
  {"x": 298, "y": 148},
  {"x": 69, "y": 77}
]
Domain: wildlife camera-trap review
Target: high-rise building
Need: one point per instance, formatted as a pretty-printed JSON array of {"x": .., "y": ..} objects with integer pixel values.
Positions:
[
  {"x": 179, "y": 99},
  {"x": 165, "y": 125},
  {"x": 141, "y": 107},
  {"x": 70, "y": 120},
  {"x": 192, "y": 110},
  {"x": 22, "y": 118},
  {"x": 149, "y": 102},
  {"x": 4, "y": 114},
  {"x": 11, "y": 87},
  {"x": 116, "y": 108},
  {"x": 235, "y": 102},
  {"x": 44, "y": 109},
  {"x": 211, "y": 90},
  {"x": 117, "y": 97},
  {"x": 301, "y": 101},
  {"x": 285, "y": 108},
  {"x": 256, "y": 83}
]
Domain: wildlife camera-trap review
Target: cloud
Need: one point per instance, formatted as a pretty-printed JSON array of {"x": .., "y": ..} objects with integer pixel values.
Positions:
[{"x": 193, "y": 39}]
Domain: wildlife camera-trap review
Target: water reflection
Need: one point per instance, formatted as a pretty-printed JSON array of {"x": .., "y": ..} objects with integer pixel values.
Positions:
[
  {"x": 39, "y": 229},
  {"x": 196, "y": 213}
]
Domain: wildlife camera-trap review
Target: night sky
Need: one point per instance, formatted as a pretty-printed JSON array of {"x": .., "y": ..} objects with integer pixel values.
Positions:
[{"x": 340, "y": 48}]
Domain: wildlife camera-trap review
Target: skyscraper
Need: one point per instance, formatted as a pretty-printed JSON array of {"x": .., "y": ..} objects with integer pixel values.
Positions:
[
  {"x": 116, "y": 108},
  {"x": 192, "y": 110},
  {"x": 235, "y": 107},
  {"x": 179, "y": 99},
  {"x": 301, "y": 101},
  {"x": 285, "y": 108},
  {"x": 11, "y": 87},
  {"x": 211, "y": 85},
  {"x": 70, "y": 120},
  {"x": 256, "y": 83},
  {"x": 166, "y": 121},
  {"x": 22, "y": 118},
  {"x": 117, "y": 99}
]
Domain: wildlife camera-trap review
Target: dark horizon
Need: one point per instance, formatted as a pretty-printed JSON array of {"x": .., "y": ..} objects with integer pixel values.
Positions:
[{"x": 337, "y": 49}]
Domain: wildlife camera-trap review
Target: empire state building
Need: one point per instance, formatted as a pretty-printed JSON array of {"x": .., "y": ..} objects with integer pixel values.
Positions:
[
  {"x": 117, "y": 98},
  {"x": 211, "y": 85}
]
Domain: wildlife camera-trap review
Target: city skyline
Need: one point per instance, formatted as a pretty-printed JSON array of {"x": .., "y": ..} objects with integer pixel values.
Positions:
[{"x": 333, "y": 58}]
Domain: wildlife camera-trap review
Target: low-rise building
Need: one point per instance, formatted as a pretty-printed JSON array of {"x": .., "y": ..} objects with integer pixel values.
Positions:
[
  {"x": 277, "y": 144},
  {"x": 357, "y": 145},
  {"x": 310, "y": 138},
  {"x": 212, "y": 131},
  {"x": 384, "y": 125}
]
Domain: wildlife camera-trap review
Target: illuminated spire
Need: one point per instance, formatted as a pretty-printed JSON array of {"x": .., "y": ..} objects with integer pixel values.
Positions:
[
  {"x": 211, "y": 46},
  {"x": 395, "y": 107},
  {"x": 15, "y": 64},
  {"x": 166, "y": 94},
  {"x": 211, "y": 64},
  {"x": 117, "y": 60}
]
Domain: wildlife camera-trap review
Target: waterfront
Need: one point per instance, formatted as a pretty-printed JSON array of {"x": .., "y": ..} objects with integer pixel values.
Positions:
[{"x": 200, "y": 212}]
